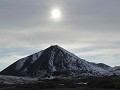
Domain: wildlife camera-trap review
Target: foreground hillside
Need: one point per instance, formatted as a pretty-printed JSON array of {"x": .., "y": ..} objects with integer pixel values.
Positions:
[
  {"x": 88, "y": 83},
  {"x": 11, "y": 80}
]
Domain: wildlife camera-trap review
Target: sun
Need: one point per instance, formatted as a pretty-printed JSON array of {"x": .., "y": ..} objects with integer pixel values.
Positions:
[{"x": 56, "y": 14}]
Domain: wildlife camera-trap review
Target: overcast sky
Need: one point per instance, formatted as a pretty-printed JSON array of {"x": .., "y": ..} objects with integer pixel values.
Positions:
[{"x": 87, "y": 28}]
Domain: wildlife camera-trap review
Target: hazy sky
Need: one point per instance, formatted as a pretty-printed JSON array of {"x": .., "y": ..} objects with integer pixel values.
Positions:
[{"x": 87, "y": 28}]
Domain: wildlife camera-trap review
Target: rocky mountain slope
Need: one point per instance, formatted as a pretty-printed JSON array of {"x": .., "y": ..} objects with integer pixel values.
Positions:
[{"x": 57, "y": 62}]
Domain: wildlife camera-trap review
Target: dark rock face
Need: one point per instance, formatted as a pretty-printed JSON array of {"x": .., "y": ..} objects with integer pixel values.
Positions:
[{"x": 54, "y": 61}]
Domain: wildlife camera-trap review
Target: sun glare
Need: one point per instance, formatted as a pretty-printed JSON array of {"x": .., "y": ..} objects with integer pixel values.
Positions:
[{"x": 56, "y": 14}]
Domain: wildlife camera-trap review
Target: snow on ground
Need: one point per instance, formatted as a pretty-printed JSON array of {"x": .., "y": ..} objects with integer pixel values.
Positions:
[
  {"x": 15, "y": 80},
  {"x": 81, "y": 83}
]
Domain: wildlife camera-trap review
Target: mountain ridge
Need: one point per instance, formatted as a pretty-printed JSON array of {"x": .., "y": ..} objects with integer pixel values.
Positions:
[{"x": 57, "y": 62}]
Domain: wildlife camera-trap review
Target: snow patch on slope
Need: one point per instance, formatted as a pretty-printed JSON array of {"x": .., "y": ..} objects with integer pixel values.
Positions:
[
  {"x": 51, "y": 66},
  {"x": 20, "y": 63},
  {"x": 36, "y": 56}
]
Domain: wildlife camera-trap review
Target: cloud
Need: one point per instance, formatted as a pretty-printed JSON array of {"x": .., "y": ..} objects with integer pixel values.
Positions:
[
  {"x": 8, "y": 60},
  {"x": 88, "y": 27}
]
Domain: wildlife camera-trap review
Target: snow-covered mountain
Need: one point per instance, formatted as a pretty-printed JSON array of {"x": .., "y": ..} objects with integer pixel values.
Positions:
[
  {"x": 57, "y": 62},
  {"x": 115, "y": 70}
]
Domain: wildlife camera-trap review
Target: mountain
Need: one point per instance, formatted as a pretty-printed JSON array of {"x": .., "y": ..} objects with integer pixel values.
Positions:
[
  {"x": 57, "y": 62},
  {"x": 115, "y": 70}
]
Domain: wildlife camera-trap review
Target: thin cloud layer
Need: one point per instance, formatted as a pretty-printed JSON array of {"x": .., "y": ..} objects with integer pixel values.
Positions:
[{"x": 88, "y": 28}]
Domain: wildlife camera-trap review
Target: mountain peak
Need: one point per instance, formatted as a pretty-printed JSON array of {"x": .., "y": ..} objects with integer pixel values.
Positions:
[
  {"x": 54, "y": 61},
  {"x": 55, "y": 46}
]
